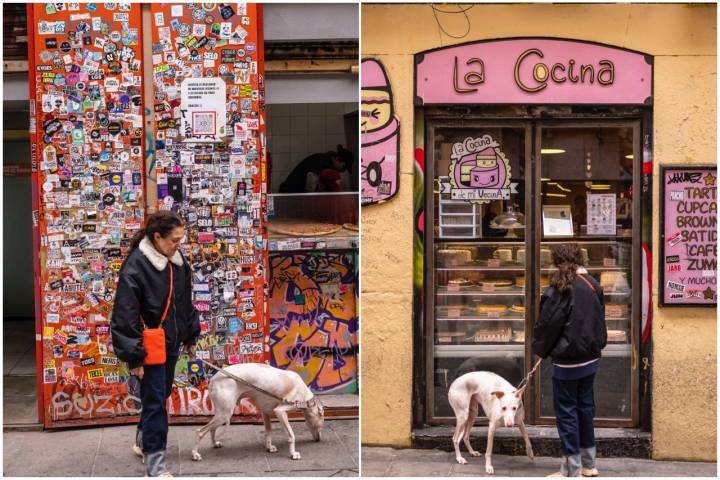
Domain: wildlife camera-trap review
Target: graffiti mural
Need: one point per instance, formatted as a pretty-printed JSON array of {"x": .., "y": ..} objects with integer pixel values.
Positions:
[
  {"x": 314, "y": 320},
  {"x": 380, "y": 135}
]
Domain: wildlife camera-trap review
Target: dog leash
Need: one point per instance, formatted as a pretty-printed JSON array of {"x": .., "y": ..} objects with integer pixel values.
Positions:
[
  {"x": 529, "y": 375},
  {"x": 298, "y": 405}
]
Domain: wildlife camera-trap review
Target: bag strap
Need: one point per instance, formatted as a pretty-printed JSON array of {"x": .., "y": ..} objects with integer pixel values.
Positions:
[
  {"x": 594, "y": 290},
  {"x": 587, "y": 282},
  {"x": 167, "y": 304}
]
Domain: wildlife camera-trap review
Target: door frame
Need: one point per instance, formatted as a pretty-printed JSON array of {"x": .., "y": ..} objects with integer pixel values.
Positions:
[{"x": 533, "y": 118}]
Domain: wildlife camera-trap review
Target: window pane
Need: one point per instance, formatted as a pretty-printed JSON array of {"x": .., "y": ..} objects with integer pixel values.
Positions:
[
  {"x": 586, "y": 196},
  {"x": 479, "y": 252}
]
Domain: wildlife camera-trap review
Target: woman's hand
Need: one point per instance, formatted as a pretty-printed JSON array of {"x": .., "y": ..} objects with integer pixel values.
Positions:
[
  {"x": 189, "y": 350},
  {"x": 138, "y": 372}
]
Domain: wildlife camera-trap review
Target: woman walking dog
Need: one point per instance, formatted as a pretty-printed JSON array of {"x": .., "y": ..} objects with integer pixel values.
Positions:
[
  {"x": 153, "y": 315},
  {"x": 571, "y": 329}
]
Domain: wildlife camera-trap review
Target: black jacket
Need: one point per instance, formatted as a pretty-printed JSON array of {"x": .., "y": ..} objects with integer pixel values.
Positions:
[
  {"x": 143, "y": 291},
  {"x": 571, "y": 328}
]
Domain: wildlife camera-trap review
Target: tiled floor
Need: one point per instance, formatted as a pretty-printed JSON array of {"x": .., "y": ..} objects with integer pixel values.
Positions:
[{"x": 19, "y": 374}]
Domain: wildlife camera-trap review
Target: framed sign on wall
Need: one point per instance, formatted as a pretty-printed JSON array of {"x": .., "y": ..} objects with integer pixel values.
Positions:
[{"x": 688, "y": 231}]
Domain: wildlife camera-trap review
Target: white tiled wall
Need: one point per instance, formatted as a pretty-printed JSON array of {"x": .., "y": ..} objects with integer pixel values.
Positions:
[{"x": 298, "y": 130}]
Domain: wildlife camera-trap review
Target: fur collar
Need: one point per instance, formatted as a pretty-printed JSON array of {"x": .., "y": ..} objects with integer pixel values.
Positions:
[{"x": 158, "y": 260}]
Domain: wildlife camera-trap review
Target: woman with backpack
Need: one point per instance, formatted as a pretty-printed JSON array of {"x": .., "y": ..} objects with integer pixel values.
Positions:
[
  {"x": 572, "y": 331},
  {"x": 152, "y": 316}
]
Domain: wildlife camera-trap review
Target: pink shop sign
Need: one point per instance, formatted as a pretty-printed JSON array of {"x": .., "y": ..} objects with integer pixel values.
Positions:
[{"x": 533, "y": 71}]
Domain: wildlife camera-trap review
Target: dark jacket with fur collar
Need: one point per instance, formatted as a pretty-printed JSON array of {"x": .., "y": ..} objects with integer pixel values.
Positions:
[
  {"x": 142, "y": 290},
  {"x": 571, "y": 328}
]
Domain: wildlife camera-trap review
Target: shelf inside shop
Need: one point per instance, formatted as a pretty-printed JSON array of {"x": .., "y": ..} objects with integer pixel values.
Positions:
[
  {"x": 480, "y": 242},
  {"x": 500, "y": 350},
  {"x": 510, "y": 350},
  {"x": 588, "y": 239},
  {"x": 480, "y": 268},
  {"x": 443, "y": 291},
  {"x": 592, "y": 269},
  {"x": 480, "y": 319},
  {"x": 313, "y": 194},
  {"x": 342, "y": 240}
]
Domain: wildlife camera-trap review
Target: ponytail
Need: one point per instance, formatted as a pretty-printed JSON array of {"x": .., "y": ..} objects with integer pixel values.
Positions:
[
  {"x": 136, "y": 239},
  {"x": 567, "y": 258}
]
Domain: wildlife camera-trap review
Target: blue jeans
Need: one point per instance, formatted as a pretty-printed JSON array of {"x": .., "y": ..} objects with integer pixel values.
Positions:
[
  {"x": 574, "y": 404},
  {"x": 155, "y": 388}
]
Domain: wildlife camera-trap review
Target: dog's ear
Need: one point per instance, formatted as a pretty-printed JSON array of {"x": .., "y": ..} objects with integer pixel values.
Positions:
[
  {"x": 520, "y": 392},
  {"x": 498, "y": 394}
]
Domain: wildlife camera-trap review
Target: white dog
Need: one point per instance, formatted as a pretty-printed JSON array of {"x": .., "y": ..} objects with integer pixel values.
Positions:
[
  {"x": 501, "y": 403},
  {"x": 226, "y": 393}
]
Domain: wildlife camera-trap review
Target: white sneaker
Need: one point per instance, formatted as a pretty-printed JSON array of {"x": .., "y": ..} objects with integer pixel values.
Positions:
[{"x": 590, "y": 472}]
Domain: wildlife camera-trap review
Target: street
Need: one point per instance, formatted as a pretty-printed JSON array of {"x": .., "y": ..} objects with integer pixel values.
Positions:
[
  {"x": 106, "y": 452},
  {"x": 390, "y": 462}
]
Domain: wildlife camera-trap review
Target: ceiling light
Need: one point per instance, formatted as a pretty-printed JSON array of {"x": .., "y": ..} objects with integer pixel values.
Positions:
[
  {"x": 551, "y": 151},
  {"x": 629, "y": 157}
]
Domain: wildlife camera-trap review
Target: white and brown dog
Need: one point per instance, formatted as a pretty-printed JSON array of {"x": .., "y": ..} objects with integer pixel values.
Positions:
[
  {"x": 501, "y": 403},
  {"x": 226, "y": 393}
]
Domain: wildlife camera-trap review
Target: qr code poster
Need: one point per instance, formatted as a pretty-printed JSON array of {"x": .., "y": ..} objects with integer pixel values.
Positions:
[
  {"x": 204, "y": 123},
  {"x": 203, "y": 109}
]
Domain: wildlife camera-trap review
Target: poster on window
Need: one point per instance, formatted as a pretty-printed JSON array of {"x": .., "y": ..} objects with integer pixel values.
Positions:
[
  {"x": 688, "y": 264},
  {"x": 601, "y": 210}
]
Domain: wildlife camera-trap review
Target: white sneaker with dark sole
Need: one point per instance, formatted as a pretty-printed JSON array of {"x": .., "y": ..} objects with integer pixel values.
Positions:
[{"x": 590, "y": 472}]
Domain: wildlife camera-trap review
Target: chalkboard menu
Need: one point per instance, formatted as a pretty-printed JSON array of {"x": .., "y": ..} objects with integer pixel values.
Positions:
[{"x": 688, "y": 263}]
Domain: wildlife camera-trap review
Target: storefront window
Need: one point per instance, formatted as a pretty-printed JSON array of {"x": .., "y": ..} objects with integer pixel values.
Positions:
[
  {"x": 586, "y": 197},
  {"x": 503, "y": 195},
  {"x": 479, "y": 255}
]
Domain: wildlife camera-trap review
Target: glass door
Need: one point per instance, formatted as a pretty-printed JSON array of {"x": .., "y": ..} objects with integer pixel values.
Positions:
[
  {"x": 477, "y": 263},
  {"x": 587, "y": 179}
]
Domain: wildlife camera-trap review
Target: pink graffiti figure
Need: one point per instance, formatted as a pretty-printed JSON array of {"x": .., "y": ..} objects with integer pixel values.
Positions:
[{"x": 380, "y": 135}]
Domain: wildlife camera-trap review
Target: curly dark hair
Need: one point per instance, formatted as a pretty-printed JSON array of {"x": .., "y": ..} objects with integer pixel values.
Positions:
[
  {"x": 567, "y": 257},
  {"x": 162, "y": 222}
]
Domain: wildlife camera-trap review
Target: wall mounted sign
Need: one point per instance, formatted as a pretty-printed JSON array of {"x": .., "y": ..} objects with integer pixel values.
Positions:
[
  {"x": 380, "y": 136},
  {"x": 688, "y": 230},
  {"x": 532, "y": 71},
  {"x": 203, "y": 109},
  {"x": 479, "y": 172},
  {"x": 601, "y": 214}
]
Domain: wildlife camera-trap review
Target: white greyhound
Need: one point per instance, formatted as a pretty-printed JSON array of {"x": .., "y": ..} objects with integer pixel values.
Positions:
[
  {"x": 501, "y": 403},
  {"x": 226, "y": 393}
]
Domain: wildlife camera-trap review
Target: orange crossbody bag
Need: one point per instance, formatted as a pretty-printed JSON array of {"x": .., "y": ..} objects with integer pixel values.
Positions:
[{"x": 154, "y": 338}]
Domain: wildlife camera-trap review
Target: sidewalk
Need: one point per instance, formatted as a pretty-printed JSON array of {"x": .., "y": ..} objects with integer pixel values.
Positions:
[
  {"x": 390, "y": 462},
  {"x": 106, "y": 452}
]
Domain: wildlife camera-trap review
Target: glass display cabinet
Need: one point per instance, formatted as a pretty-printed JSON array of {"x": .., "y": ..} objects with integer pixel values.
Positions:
[
  {"x": 503, "y": 194},
  {"x": 313, "y": 221}
]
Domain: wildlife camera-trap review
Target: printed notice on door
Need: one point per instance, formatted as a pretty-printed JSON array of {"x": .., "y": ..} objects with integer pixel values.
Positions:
[
  {"x": 689, "y": 236},
  {"x": 202, "y": 104},
  {"x": 601, "y": 214}
]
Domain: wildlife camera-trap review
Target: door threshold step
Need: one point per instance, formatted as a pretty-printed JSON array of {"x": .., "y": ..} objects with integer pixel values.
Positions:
[
  {"x": 610, "y": 442},
  {"x": 22, "y": 427}
]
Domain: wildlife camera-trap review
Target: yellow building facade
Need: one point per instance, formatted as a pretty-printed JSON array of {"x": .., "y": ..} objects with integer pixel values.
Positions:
[{"x": 683, "y": 357}]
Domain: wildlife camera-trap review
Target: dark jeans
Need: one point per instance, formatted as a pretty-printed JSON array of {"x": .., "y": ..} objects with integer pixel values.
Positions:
[
  {"x": 155, "y": 388},
  {"x": 574, "y": 404}
]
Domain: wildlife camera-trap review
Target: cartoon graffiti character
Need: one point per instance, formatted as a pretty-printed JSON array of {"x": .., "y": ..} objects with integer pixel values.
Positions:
[{"x": 380, "y": 133}]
